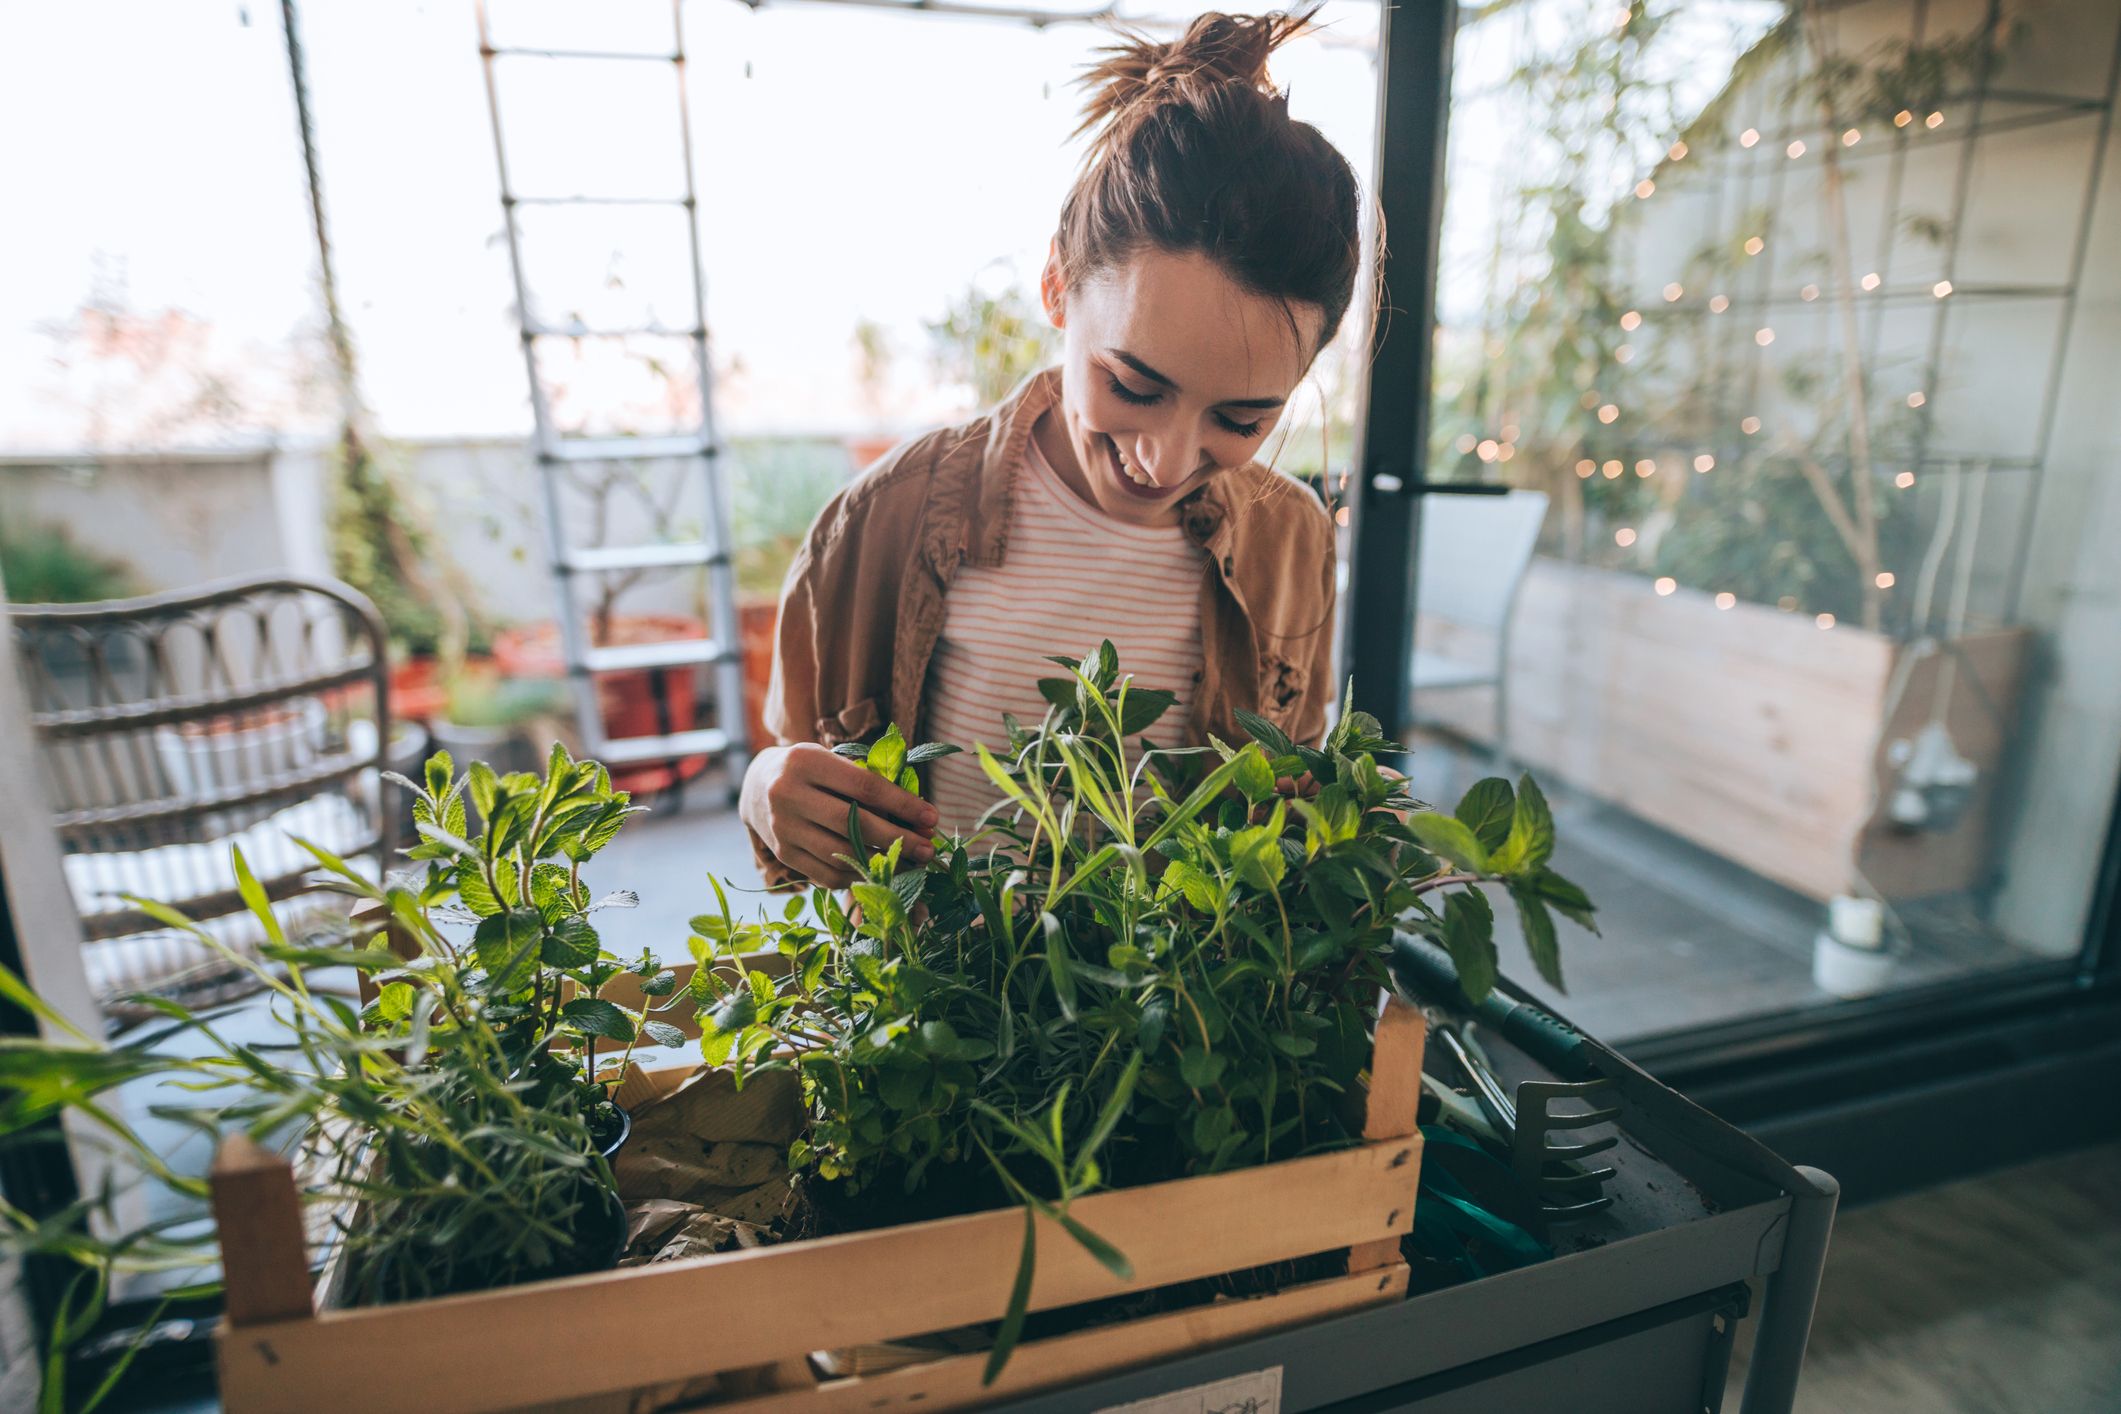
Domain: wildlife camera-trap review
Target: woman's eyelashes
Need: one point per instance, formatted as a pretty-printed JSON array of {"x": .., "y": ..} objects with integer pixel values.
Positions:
[{"x": 1127, "y": 395}]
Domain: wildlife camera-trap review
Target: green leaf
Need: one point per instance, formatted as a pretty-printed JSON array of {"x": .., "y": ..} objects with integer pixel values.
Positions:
[
  {"x": 1109, "y": 1257},
  {"x": 909, "y": 781},
  {"x": 881, "y": 913},
  {"x": 1469, "y": 936},
  {"x": 1057, "y": 964},
  {"x": 484, "y": 786},
  {"x": 571, "y": 943},
  {"x": 593, "y": 1016},
  {"x": 1255, "y": 778},
  {"x": 507, "y": 946},
  {"x": 660, "y": 985},
  {"x": 1449, "y": 837},
  {"x": 1199, "y": 887},
  {"x": 1058, "y": 691},
  {"x": 254, "y": 898},
  {"x": 888, "y": 756},
  {"x": 1144, "y": 707},
  {"x": 736, "y": 1011},
  {"x": 1565, "y": 898},
  {"x": 1539, "y": 937},
  {"x": 1486, "y": 809},
  {"x": 1273, "y": 738},
  {"x": 440, "y": 772},
  {"x": 930, "y": 751},
  {"x": 1201, "y": 1069},
  {"x": 1531, "y": 841},
  {"x": 1012, "y": 1327},
  {"x": 662, "y": 1033}
]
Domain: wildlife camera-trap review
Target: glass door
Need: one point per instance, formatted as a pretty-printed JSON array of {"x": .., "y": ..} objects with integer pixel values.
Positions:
[{"x": 1775, "y": 328}]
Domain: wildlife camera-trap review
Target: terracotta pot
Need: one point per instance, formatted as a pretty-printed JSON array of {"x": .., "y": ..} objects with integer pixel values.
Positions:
[
  {"x": 628, "y": 701},
  {"x": 756, "y": 621},
  {"x": 416, "y": 690}
]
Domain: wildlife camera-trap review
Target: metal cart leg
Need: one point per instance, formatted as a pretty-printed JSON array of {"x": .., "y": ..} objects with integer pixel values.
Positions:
[{"x": 1792, "y": 1293}]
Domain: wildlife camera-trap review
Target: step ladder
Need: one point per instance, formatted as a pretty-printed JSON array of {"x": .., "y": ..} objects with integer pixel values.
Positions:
[{"x": 585, "y": 661}]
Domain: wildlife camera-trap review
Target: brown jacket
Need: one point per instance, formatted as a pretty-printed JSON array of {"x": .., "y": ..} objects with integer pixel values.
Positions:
[{"x": 863, "y": 603}]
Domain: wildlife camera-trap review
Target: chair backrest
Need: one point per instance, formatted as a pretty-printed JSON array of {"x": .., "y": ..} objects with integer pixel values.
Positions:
[
  {"x": 174, "y": 726},
  {"x": 1474, "y": 553}
]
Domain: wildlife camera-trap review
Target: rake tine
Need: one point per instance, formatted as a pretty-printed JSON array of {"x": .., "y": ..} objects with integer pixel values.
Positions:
[
  {"x": 1576, "y": 1153},
  {"x": 1554, "y": 1121},
  {"x": 1576, "y": 1210},
  {"x": 1574, "y": 1180}
]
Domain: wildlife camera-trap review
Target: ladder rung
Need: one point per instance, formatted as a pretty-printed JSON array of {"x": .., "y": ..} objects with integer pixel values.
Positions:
[
  {"x": 599, "y": 559},
  {"x": 708, "y": 741},
  {"x": 675, "y": 653},
  {"x": 639, "y": 449},
  {"x": 584, "y": 200},
  {"x": 611, "y": 331},
  {"x": 500, "y": 51}
]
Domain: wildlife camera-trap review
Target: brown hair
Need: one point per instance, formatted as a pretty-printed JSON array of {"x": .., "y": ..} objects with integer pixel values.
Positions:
[{"x": 1196, "y": 151}]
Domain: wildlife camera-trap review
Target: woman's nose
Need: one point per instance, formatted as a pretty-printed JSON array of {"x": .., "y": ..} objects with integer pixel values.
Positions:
[{"x": 1167, "y": 460}]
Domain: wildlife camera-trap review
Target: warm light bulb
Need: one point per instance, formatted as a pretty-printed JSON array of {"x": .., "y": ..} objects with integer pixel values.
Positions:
[
  {"x": 1468, "y": 442},
  {"x": 1754, "y": 245},
  {"x": 1646, "y": 467},
  {"x": 1623, "y": 537},
  {"x": 1749, "y": 426},
  {"x": 1902, "y": 118},
  {"x": 1763, "y": 337},
  {"x": 1726, "y": 599},
  {"x": 1644, "y": 189},
  {"x": 1885, "y": 579},
  {"x": 1631, "y": 321},
  {"x": 1916, "y": 399},
  {"x": 1934, "y": 120},
  {"x": 1704, "y": 462},
  {"x": 1608, "y": 414},
  {"x": 1506, "y": 451},
  {"x": 1851, "y": 138},
  {"x": 1677, "y": 151},
  {"x": 1718, "y": 304},
  {"x": 1666, "y": 584},
  {"x": 1795, "y": 149},
  {"x": 1340, "y": 517},
  {"x": 1586, "y": 468},
  {"x": 1904, "y": 480},
  {"x": 1941, "y": 288},
  {"x": 1624, "y": 354},
  {"x": 1612, "y": 470},
  {"x": 1486, "y": 450},
  {"x": 1673, "y": 291},
  {"x": 1808, "y": 293},
  {"x": 1824, "y": 621},
  {"x": 1749, "y": 137},
  {"x": 1871, "y": 281}
]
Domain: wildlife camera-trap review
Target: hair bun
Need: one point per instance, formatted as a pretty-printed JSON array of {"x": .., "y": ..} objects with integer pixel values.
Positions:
[{"x": 1140, "y": 74}]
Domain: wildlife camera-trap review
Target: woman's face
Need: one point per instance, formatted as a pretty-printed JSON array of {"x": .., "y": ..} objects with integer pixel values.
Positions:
[{"x": 1170, "y": 373}]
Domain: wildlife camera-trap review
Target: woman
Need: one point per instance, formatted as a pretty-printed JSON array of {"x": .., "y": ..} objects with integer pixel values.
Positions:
[{"x": 1206, "y": 254}]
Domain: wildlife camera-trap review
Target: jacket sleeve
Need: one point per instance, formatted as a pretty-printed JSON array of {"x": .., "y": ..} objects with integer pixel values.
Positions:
[
  {"x": 1308, "y": 723},
  {"x": 790, "y": 711}
]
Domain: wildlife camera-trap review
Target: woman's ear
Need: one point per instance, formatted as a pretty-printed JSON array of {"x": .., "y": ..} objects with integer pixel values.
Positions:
[{"x": 1052, "y": 290}]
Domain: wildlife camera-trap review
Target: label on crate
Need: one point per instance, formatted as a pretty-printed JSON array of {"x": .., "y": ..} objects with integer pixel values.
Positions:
[{"x": 1255, "y": 1392}]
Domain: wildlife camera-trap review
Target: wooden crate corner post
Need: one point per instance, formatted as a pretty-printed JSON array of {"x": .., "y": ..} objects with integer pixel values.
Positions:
[
  {"x": 1389, "y": 1112},
  {"x": 264, "y": 1251}
]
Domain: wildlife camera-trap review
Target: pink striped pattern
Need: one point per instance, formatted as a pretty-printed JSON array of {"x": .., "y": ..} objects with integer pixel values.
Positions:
[{"x": 1069, "y": 578}]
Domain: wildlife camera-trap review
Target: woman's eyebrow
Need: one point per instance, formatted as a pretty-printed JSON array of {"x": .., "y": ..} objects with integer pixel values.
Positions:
[{"x": 1153, "y": 376}]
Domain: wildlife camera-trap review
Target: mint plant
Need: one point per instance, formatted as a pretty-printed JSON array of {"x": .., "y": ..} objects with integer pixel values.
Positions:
[{"x": 1145, "y": 963}]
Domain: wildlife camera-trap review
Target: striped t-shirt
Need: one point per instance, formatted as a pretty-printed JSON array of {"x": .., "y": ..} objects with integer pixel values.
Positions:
[{"x": 1070, "y": 578}]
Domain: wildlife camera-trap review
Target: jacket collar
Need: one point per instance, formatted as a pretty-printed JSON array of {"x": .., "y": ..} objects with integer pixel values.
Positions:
[{"x": 1001, "y": 440}]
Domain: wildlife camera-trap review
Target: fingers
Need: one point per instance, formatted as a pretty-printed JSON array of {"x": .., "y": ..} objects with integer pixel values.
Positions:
[
  {"x": 878, "y": 833},
  {"x": 843, "y": 777}
]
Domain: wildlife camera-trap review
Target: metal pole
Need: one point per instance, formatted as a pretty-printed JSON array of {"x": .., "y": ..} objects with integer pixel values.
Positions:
[
  {"x": 1792, "y": 1294},
  {"x": 1414, "y": 102}
]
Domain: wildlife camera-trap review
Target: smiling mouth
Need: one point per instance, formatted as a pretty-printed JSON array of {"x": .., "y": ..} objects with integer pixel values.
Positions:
[{"x": 1131, "y": 479}]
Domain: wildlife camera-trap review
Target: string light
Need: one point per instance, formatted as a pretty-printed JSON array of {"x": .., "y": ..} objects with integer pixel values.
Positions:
[
  {"x": 1754, "y": 245},
  {"x": 1612, "y": 470},
  {"x": 1589, "y": 400},
  {"x": 1718, "y": 304},
  {"x": 1726, "y": 599},
  {"x": 1763, "y": 337},
  {"x": 1795, "y": 149},
  {"x": 1941, "y": 288},
  {"x": 1586, "y": 468},
  {"x": 1934, "y": 120},
  {"x": 1666, "y": 584},
  {"x": 1824, "y": 621},
  {"x": 1509, "y": 432},
  {"x": 1608, "y": 414},
  {"x": 1749, "y": 137},
  {"x": 1673, "y": 291},
  {"x": 1851, "y": 138},
  {"x": 1623, "y": 537},
  {"x": 1704, "y": 462},
  {"x": 1644, "y": 189},
  {"x": 1885, "y": 579},
  {"x": 1916, "y": 399},
  {"x": 1677, "y": 151},
  {"x": 1646, "y": 467},
  {"x": 1902, "y": 118},
  {"x": 1631, "y": 321},
  {"x": 1904, "y": 480},
  {"x": 1486, "y": 450},
  {"x": 1625, "y": 353},
  {"x": 1340, "y": 517},
  {"x": 1871, "y": 281},
  {"x": 1467, "y": 442},
  {"x": 1506, "y": 451},
  {"x": 1749, "y": 426},
  {"x": 1808, "y": 293}
]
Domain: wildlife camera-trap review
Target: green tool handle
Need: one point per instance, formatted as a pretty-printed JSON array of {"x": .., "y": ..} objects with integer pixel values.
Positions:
[{"x": 1533, "y": 1029}]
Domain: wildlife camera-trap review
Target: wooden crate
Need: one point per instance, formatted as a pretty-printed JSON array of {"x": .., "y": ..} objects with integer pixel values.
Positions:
[{"x": 735, "y": 1331}]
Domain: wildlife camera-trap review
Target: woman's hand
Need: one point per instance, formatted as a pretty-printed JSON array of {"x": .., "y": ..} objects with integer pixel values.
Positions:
[{"x": 796, "y": 798}]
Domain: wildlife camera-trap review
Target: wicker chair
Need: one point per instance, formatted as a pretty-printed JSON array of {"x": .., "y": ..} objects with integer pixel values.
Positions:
[{"x": 175, "y": 726}]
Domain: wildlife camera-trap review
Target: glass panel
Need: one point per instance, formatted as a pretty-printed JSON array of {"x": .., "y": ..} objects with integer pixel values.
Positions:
[{"x": 1779, "y": 318}]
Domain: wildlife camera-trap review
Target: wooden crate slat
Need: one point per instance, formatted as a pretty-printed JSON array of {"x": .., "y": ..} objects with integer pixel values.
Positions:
[
  {"x": 496, "y": 1350},
  {"x": 953, "y": 1382},
  {"x": 264, "y": 1252}
]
